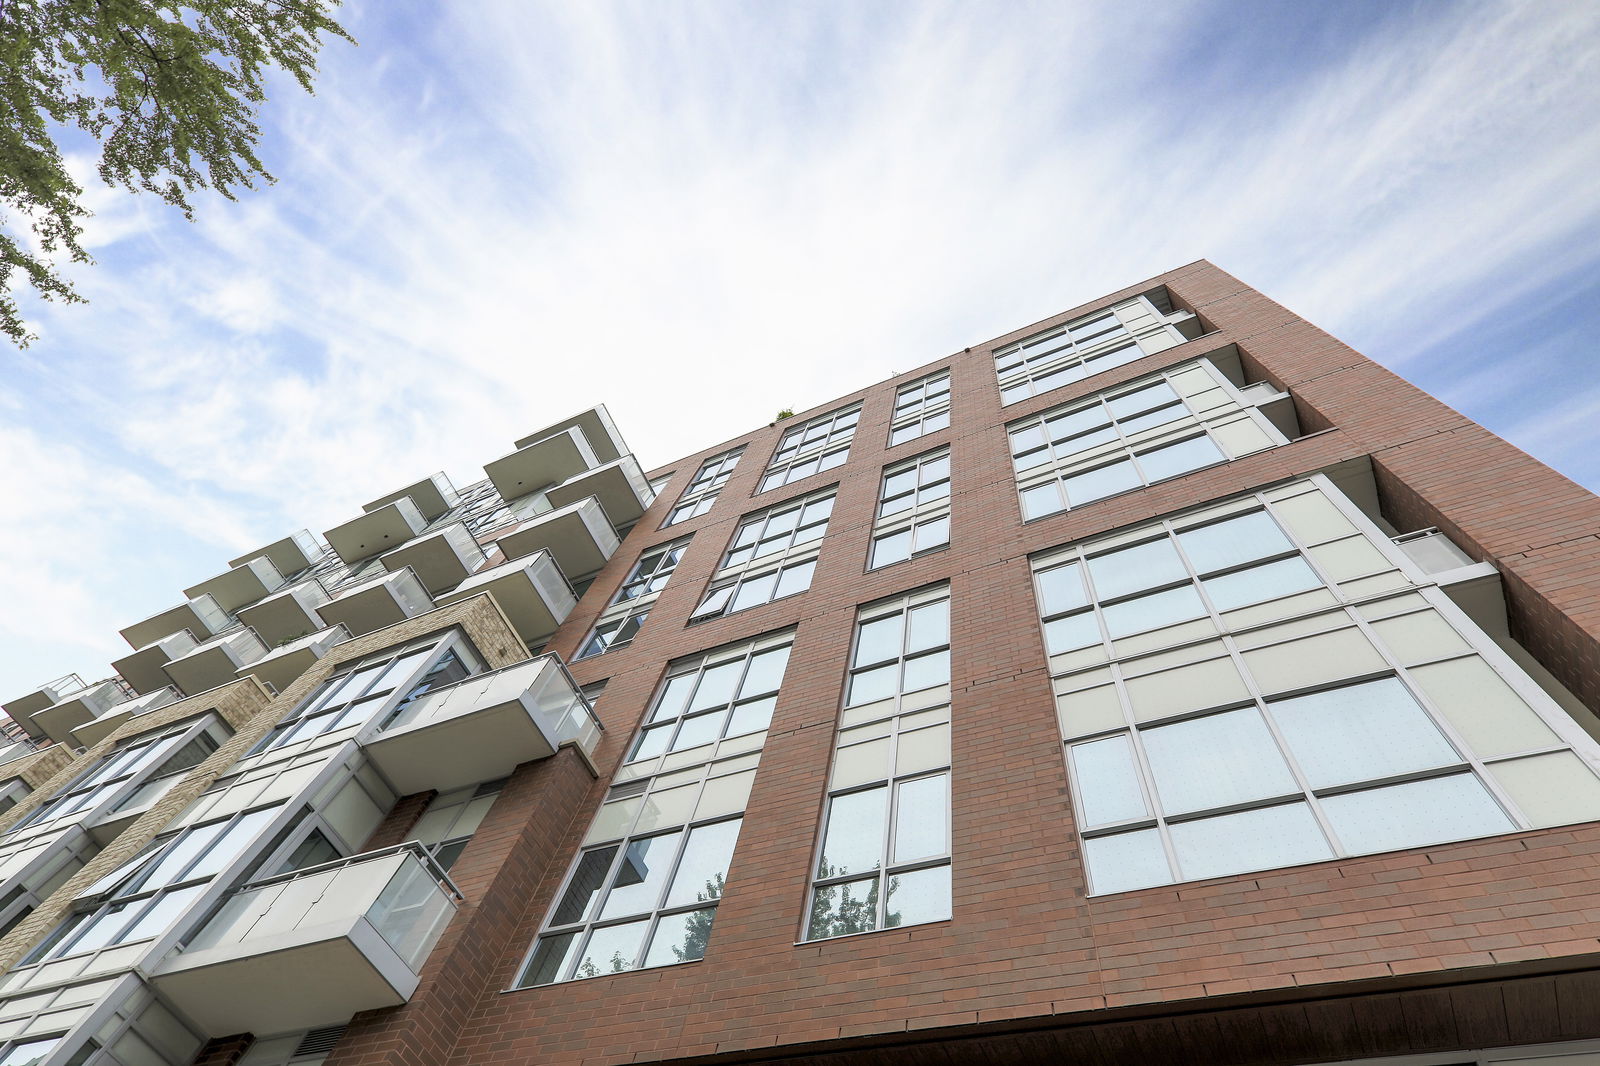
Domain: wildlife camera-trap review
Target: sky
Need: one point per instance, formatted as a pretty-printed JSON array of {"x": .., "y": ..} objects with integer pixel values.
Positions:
[{"x": 494, "y": 214}]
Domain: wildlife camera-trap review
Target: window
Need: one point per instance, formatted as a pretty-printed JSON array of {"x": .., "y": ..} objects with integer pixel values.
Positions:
[
  {"x": 135, "y": 772},
  {"x": 1133, "y": 436},
  {"x": 913, "y": 509},
  {"x": 714, "y": 698},
  {"x": 883, "y": 859},
  {"x": 1061, "y": 355},
  {"x": 701, "y": 493},
  {"x": 1276, "y": 692},
  {"x": 820, "y": 444},
  {"x": 619, "y": 623},
  {"x": 387, "y": 682},
  {"x": 143, "y": 897},
  {"x": 920, "y": 408},
  {"x": 451, "y": 819},
  {"x": 643, "y": 890},
  {"x": 772, "y": 555}
]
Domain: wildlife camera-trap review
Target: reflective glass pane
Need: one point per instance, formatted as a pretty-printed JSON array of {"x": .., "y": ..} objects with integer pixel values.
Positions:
[
  {"x": 837, "y": 910},
  {"x": 932, "y": 534},
  {"x": 1361, "y": 733},
  {"x": 673, "y": 696},
  {"x": 878, "y": 640},
  {"x": 1101, "y": 482},
  {"x": 681, "y": 938},
  {"x": 550, "y": 958},
  {"x": 1141, "y": 399},
  {"x": 1074, "y": 423},
  {"x": 794, "y": 579},
  {"x": 1415, "y": 813},
  {"x": 752, "y": 716},
  {"x": 1041, "y": 500},
  {"x": 894, "y": 548},
  {"x": 1108, "y": 782},
  {"x": 1179, "y": 458},
  {"x": 652, "y": 742},
  {"x": 1142, "y": 566},
  {"x": 611, "y": 949},
  {"x": 1126, "y": 861},
  {"x": 1216, "y": 761},
  {"x": 1153, "y": 611},
  {"x": 642, "y": 874},
  {"x": 699, "y": 729},
  {"x": 1150, "y": 419},
  {"x": 765, "y": 672},
  {"x": 925, "y": 671},
  {"x": 876, "y": 684},
  {"x": 930, "y": 626},
  {"x": 704, "y": 867},
  {"x": 1259, "y": 583},
  {"x": 1071, "y": 632},
  {"x": 30, "y": 1052},
  {"x": 854, "y": 840},
  {"x": 716, "y": 685},
  {"x": 1249, "y": 840},
  {"x": 921, "y": 821},
  {"x": 1235, "y": 541},
  {"x": 917, "y": 896},
  {"x": 1061, "y": 589},
  {"x": 587, "y": 880},
  {"x": 753, "y": 592},
  {"x": 935, "y": 470},
  {"x": 155, "y": 919}
]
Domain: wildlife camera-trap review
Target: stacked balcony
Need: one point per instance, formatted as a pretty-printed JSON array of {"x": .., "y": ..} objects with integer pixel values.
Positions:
[
  {"x": 533, "y": 594},
  {"x": 107, "y": 721},
  {"x": 144, "y": 670},
  {"x": 202, "y": 616},
  {"x": 283, "y": 665},
  {"x": 441, "y": 559},
  {"x": 22, "y": 710},
  {"x": 216, "y": 662},
  {"x": 241, "y": 585},
  {"x": 288, "y": 614},
  {"x": 379, "y": 602},
  {"x": 294, "y": 553}
]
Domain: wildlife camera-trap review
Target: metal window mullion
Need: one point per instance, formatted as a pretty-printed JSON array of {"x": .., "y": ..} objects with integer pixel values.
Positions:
[
  {"x": 891, "y": 809},
  {"x": 1147, "y": 784}
]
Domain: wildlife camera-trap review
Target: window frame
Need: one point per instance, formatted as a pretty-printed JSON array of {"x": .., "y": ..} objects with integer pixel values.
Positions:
[
  {"x": 922, "y": 413},
  {"x": 702, "y": 491},
  {"x": 732, "y": 577},
  {"x": 624, "y": 609},
  {"x": 917, "y": 517},
  {"x": 829, "y": 448}
]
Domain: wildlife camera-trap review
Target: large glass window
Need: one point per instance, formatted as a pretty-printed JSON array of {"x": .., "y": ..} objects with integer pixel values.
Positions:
[
  {"x": 702, "y": 491},
  {"x": 620, "y": 622},
  {"x": 385, "y": 682},
  {"x": 1260, "y": 684},
  {"x": 1064, "y": 354},
  {"x": 920, "y": 407},
  {"x": 883, "y": 859},
  {"x": 1180, "y": 420},
  {"x": 773, "y": 555},
  {"x": 913, "y": 509},
  {"x": 722, "y": 695},
  {"x": 820, "y": 444}
]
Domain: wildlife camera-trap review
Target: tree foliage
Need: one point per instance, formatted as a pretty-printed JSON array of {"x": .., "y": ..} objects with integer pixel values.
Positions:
[{"x": 170, "y": 90}]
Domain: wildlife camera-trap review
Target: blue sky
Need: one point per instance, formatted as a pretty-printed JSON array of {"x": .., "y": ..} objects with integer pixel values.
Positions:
[{"x": 493, "y": 214}]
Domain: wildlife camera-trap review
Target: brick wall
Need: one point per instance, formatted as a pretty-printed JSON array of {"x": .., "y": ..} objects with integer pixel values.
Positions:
[{"x": 1026, "y": 945}]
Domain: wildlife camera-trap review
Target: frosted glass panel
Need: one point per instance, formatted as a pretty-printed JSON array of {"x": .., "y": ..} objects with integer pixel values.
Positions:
[
  {"x": 921, "y": 816},
  {"x": 1554, "y": 789},
  {"x": 854, "y": 842},
  {"x": 1108, "y": 782},
  {"x": 1249, "y": 840},
  {"x": 1417, "y": 813},
  {"x": 1141, "y": 567},
  {"x": 1361, "y": 733},
  {"x": 1101, "y": 482},
  {"x": 1061, "y": 589},
  {"x": 918, "y": 896},
  {"x": 1072, "y": 632},
  {"x": 1179, "y": 458},
  {"x": 1216, "y": 761},
  {"x": 1126, "y": 861},
  {"x": 1490, "y": 717},
  {"x": 612, "y": 949},
  {"x": 1153, "y": 611},
  {"x": 1257, "y": 583}
]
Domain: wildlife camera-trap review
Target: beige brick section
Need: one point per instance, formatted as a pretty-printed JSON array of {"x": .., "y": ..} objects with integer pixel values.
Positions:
[
  {"x": 246, "y": 706},
  {"x": 40, "y": 767}
]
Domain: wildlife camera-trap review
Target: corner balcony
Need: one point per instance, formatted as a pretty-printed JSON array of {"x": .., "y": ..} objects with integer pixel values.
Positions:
[
  {"x": 22, "y": 709},
  {"x": 483, "y": 728},
  {"x": 380, "y": 602},
  {"x": 59, "y": 720},
  {"x": 102, "y": 725},
  {"x": 143, "y": 669},
  {"x": 442, "y": 559},
  {"x": 376, "y": 531},
  {"x": 532, "y": 592},
  {"x": 202, "y": 616},
  {"x": 597, "y": 429},
  {"x": 288, "y": 614},
  {"x": 216, "y": 662},
  {"x": 282, "y": 666},
  {"x": 578, "y": 536},
  {"x": 540, "y": 463},
  {"x": 312, "y": 947},
  {"x": 244, "y": 584},
  {"x": 433, "y": 496},
  {"x": 620, "y": 486},
  {"x": 290, "y": 555}
]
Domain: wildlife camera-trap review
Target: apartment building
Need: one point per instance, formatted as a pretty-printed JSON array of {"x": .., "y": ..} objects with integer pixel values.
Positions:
[{"x": 1161, "y": 682}]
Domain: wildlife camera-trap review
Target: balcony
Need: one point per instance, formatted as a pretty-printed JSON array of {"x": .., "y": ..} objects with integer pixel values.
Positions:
[
  {"x": 433, "y": 496},
  {"x": 102, "y": 725},
  {"x": 532, "y": 592},
  {"x": 244, "y": 584},
  {"x": 143, "y": 669},
  {"x": 620, "y": 486},
  {"x": 597, "y": 428},
  {"x": 377, "y": 531},
  {"x": 282, "y": 666},
  {"x": 216, "y": 662},
  {"x": 578, "y": 536},
  {"x": 290, "y": 555},
  {"x": 22, "y": 710},
  {"x": 288, "y": 614},
  {"x": 380, "y": 602},
  {"x": 313, "y": 947},
  {"x": 59, "y": 720},
  {"x": 483, "y": 728},
  {"x": 442, "y": 559},
  {"x": 202, "y": 616},
  {"x": 541, "y": 463}
]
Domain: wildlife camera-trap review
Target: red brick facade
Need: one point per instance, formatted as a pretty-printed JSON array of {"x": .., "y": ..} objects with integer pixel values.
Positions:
[{"x": 1427, "y": 949}]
